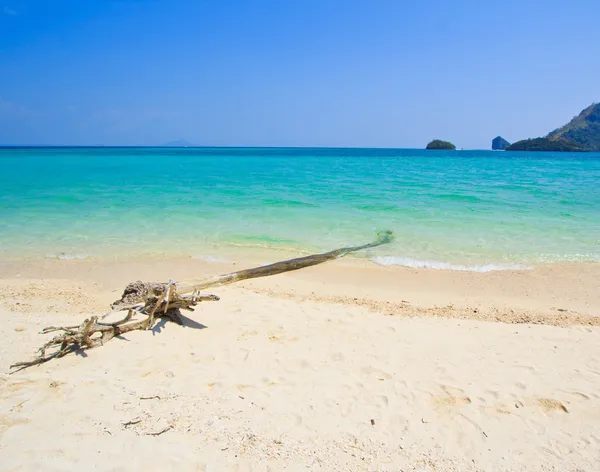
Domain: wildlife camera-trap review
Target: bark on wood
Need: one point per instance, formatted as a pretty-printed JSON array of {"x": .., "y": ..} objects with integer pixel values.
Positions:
[{"x": 145, "y": 302}]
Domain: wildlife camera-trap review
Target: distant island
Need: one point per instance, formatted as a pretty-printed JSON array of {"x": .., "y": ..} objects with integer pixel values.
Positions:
[
  {"x": 546, "y": 144},
  {"x": 584, "y": 129},
  {"x": 499, "y": 143},
  {"x": 438, "y": 144},
  {"x": 178, "y": 143},
  {"x": 581, "y": 134}
]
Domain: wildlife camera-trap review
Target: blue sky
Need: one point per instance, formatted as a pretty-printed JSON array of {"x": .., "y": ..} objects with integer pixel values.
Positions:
[{"x": 372, "y": 73}]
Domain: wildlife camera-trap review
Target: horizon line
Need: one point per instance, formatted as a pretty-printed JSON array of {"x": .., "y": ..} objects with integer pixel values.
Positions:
[{"x": 122, "y": 146}]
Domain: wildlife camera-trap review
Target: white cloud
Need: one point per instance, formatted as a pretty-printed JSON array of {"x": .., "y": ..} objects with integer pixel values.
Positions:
[{"x": 9, "y": 11}]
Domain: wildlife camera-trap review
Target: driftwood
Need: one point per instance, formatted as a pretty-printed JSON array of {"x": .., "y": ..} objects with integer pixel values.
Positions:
[{"x": 153, "y": 300}]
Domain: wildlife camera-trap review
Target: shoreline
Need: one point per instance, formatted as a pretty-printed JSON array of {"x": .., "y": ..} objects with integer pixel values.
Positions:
[
  {"x": 386, "y": 256},
  {"x": 553, "y": 293}
]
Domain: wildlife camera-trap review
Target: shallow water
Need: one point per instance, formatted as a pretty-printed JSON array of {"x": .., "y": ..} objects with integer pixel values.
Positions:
[{"x": 461, "y": 210}]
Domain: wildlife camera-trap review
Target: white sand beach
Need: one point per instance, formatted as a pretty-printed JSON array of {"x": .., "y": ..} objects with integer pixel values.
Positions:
[{"x": 344, "y": 366}]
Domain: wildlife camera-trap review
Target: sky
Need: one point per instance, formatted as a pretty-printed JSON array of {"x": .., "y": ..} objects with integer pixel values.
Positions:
[{"x": 340, "y": 73}]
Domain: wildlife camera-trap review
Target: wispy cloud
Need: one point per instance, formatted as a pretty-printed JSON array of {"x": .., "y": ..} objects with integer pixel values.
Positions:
[
  {"x": 13, "y": 110},
  {"x": 9, "y": 11},
  {"x": 116, "y": 119}
]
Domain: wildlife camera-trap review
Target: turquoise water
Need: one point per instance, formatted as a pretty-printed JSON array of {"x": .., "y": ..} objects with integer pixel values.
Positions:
[{"x": 474, "y": 210}]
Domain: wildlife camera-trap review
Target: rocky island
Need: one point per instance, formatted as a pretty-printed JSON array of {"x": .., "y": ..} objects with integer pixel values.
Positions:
[
  {"x": 582, "y": 133},
  {"x": 584, "y": 129},
  {"x": 438, "y": 144},
  {"x": 546, "y": 144},
  {"x": 499, "y": 143}
]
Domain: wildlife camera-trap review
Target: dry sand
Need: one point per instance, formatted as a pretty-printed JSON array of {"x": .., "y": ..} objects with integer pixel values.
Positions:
[{"x": 345, "y": 366}]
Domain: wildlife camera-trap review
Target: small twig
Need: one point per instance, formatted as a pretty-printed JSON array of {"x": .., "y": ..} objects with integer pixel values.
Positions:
[
  {"x": 150, "y": 398},
  {"x": 51, "y": 329},
  {"x": 131, "y": 422},
  {"x": 120, "y": 322},
  {"x": 19, "y": 405},
  {"x": 137, "y": 307},
  {"x": 158, "y": 433}
]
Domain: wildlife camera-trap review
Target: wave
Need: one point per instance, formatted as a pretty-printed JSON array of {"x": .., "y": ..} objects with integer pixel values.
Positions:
[
  {"x": 288, "y": 203},
  {"x": 67, "y": 257},
  {"x": 209, "y": 258},
  {"x": 458, "y": 197},
  {"x": 378, "y": 207},
  {"x": 439, "y": 265}
]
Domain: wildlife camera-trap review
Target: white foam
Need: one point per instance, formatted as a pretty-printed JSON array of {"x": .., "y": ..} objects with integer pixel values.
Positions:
[
  {"x": 439, "y": 265},
  {"x": 209, "y": 258},
  {"x": 67, "y": 257}
]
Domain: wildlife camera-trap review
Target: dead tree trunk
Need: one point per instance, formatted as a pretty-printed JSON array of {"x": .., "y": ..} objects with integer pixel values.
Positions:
[{"x": 144, "y": 302}]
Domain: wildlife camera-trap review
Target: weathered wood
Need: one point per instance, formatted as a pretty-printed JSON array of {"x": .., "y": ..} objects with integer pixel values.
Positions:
[
  {"x": 383, "y": 237},
  {"x": 155, "y": 300}
]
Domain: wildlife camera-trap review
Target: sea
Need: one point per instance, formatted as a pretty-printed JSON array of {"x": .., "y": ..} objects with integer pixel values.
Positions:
[{"x": 449, "y": 210}]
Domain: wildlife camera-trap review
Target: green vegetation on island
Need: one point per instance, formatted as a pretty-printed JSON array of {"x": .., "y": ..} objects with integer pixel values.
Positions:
[
  {"x": 581, "y": 134},
  {"x": 546, "y": 144},
  {"x": 499, "y": 143},
  {"x": 438, "y": 144},
  {"x": 584, "y": 129}
]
